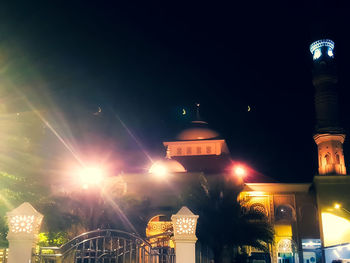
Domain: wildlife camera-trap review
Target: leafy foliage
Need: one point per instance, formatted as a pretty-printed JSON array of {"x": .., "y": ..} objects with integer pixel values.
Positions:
[
  {"x": 21, "y": 176},
  {"x": 224, "y": 223},
  {"x": 89, "y": 211},
  {"x": 53, "y": 239}
]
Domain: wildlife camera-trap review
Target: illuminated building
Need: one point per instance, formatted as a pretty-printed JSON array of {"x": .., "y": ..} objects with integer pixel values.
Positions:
[
  {"x": 332, "y": 185},
  {"x": 200, "y": 149},
  {"x": 311, "y": 220}
]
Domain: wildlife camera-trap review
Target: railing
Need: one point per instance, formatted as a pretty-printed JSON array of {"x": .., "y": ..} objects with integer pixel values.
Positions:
[
  {"x": 106, "y": 246},
  {"x": 49, "y": 255}
]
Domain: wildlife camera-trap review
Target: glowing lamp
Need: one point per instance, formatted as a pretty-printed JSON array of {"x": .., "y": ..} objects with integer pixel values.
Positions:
[
  {"x": 239, "y": 171},
  {"x": 317, "y": 54},
  {"x": 24, "y": 220},
  {"x": 337, "y": 206},
  {"x": 24, "y": 224},
  {"x": 323, "y": 46},
  {"x": 158, "y": 169},
  {"x": 184, "y": 224},
  {"x": 90, "y": 176},
  {"x": 330, "y": 52}
]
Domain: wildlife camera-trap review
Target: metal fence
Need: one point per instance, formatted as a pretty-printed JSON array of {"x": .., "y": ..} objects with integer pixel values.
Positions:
[{"x": 106, "y": 246}]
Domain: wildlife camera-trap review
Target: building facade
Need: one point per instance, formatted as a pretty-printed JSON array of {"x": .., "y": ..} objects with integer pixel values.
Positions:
[{"x": 310, "y": 220}]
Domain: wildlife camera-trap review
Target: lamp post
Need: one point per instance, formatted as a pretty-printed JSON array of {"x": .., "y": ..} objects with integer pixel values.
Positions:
[
  {"x": 24, "y": 224},
  {"x": 184, "y": 224},
  {"x": 90, "y": 176}
]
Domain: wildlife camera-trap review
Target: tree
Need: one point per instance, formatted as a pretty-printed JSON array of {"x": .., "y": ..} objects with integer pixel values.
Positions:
[
  {"x": 22, "y": 161},
  {"x": 23, "y": 179},
  {"x": 20, "y": 174},
  {"x": 97, "y": 208},
  {"x": 224, "y": 223}
]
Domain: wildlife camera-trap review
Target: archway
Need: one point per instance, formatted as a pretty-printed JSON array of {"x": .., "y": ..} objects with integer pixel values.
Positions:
[
  {"x": 158, "y": 231},
  {"x": 286, "y": 251}
]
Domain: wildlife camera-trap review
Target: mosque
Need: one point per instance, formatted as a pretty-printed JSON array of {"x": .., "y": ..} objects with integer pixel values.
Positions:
[{"x": 310, "y": 220}]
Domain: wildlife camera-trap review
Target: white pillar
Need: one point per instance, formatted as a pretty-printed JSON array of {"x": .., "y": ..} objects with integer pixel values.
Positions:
[
  {"x": 184, "y": 224},
  {"x": 24, "y": 224},
  {"x": 20, "y": 251}
]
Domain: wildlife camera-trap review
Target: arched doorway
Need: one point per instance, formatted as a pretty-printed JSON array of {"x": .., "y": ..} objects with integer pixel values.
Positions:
[
  {"x": 159, "y": 230},
  {"x": 286, "y": 251}
]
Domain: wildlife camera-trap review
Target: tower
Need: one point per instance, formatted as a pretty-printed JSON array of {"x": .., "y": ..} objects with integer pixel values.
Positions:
[{"x": 329, "y": 135}]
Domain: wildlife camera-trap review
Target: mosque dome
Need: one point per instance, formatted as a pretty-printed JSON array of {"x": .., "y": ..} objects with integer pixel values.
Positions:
[
  {"x": 198, "y": 130},
  {"x": 167, "y": 166}
]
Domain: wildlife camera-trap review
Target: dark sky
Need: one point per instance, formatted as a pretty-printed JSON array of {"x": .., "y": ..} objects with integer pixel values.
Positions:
[{"x": 145, "y": 61}]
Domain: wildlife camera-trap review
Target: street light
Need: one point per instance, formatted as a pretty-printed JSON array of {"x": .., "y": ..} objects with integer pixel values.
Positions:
[
  {"x": 239, "y": 170},
  {"x": 159, "y": 169},
  {"x": 90, "y": 180},
  {"x": 338, "y": 206},
  {"x": 90, "y": 176}
]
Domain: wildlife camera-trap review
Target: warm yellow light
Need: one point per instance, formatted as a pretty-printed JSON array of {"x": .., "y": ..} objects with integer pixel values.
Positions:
[
  {"x": 337, "y": 206},
  {"x": 239, "y": 170},
  {"x": 257, "y": 193},
  {"x": 91, "y": 176},
  {"x": 159, "y": 170},
  {"x": 283, "y": 230},
  {"x": 185, "y": 225},
  {"x": 336, "y": 229},
  {"x": 22, "y": 223}
]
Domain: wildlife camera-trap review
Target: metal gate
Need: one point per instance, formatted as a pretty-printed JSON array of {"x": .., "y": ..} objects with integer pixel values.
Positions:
[{"x": 107, "y": 246}]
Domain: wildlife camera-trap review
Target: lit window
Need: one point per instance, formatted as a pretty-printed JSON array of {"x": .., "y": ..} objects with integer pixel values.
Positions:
[
  {"x": 208, "y": 149},
  {"x": 337, "y": 158},
  {"x": 199, "y": 150},
  {"x": 328, "y": 158},
  {"x": 189, "y": 150},
  {"x": 258, "y": 208},
  {"x": 330, "y": 52},
  {"x": 179, "y": 151},
  {"x": 317, "y": 53}
]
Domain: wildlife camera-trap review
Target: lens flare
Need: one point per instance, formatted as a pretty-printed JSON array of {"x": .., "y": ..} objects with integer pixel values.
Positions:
[
  {"x": 91, "y": 176},
  {"x": 239, "y": 170},
  {"x": 158, "y": 169}
]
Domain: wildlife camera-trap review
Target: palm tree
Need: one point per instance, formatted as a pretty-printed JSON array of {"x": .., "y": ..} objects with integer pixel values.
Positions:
[{"x": 224, "y": 223}]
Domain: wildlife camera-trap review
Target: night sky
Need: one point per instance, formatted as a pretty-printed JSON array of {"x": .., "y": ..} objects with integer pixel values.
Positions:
[{"x": 143, "y": 62}]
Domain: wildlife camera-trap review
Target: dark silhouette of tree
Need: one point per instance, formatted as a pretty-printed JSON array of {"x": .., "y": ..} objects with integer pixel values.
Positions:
[
  {"x": 91, "y": 209},
  {"x": 224, "y": 223}
]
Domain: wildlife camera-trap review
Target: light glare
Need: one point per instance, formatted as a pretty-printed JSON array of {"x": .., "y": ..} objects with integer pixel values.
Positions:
[
  {"x": 91, "y": 176},
  {"x": 159, "y": 170},
  {"x": 317, "y": 53},
  {"x": 239, "y": 171},
  {"x": 330, "y": 52}
]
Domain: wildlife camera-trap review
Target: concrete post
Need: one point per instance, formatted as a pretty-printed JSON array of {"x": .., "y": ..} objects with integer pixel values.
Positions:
[
  {"x": 184, "y": 224},
  {"x": 24, "y": 224}
]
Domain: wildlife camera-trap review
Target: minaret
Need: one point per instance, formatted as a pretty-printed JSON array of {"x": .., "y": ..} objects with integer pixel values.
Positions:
[{"x": 329, "y": 136}]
